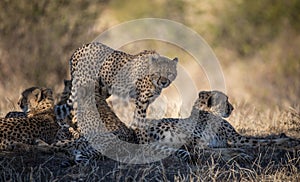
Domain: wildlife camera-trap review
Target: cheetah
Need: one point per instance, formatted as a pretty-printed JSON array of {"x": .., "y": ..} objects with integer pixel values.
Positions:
[
  {"x": 140, "y": 77},
  {"x": 67, "y": 131},
  {"x": 205, "y": 128},
  {"x": 39, "y": 125}
]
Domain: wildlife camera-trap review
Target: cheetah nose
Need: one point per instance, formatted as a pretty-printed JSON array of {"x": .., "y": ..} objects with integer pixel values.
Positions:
[{"x": 163, "y": 82}]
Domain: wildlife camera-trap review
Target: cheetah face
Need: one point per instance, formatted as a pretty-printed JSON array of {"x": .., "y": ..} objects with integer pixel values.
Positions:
[
  {"x": 26, "y": 98},
  {"x": 32, "y": 98},
  {"x": 215, "y": 102},
  {"x": 163, "y": 71}
]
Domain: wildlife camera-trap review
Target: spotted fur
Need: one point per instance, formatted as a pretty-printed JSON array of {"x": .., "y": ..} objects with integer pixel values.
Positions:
[
  {"x": 15, "y": 114},
  {"x": 141, "y": 76},
  {"x": 205, "y": 128},
  {"x": 40, "y": 124}
]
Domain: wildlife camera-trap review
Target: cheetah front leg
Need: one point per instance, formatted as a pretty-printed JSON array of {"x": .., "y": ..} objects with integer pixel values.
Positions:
[
  {"x": 141, "y": 106},
  {"x": 146, "y": 93},
  {"x": 142, "y": 102}
]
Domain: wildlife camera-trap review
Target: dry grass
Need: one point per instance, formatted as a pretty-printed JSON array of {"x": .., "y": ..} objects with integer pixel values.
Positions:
[
  {"x": 247, "y": 119},
  {"x": 250, "y": 164},
  {"x": 215, "y": 168},
  {"x": 268, "y": 165}
]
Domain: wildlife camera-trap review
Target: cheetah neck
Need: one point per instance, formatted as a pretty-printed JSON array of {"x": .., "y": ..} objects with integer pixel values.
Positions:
[{"x": 198, "y": 115}]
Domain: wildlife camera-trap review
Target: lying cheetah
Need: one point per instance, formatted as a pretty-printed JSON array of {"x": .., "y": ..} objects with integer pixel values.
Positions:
[
  {"x": 141, "y": 76},
  {"x": 40, "y": 124},
  {"x": 205, "y": 128},
  {"x": 68, "y": 130}
]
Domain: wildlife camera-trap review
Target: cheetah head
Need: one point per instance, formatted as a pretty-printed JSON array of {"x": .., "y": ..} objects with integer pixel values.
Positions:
[
  {"x": 215, "y": 102},
  {"x": 36, "y": 99},
  {"x": 163, "y": 70}
]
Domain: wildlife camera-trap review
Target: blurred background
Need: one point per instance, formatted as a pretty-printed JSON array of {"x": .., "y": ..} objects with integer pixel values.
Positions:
[{"x": 256, "y": 42}]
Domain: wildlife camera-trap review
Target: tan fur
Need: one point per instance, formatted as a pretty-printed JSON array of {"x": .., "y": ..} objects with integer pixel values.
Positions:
[
  {"x": 40, "y": 123},
  {"x": 141, "y": 76}
]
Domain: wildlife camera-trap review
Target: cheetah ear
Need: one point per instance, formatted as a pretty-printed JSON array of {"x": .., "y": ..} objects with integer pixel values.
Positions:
[
  {"x": 38, "y": 94},
  {"x": 175, "y": 59},
  {"x": 200, "y": 94}
]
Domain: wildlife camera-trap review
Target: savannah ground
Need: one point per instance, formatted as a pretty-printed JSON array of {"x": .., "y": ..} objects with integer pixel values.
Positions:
[{"x": 257, "y": 44}]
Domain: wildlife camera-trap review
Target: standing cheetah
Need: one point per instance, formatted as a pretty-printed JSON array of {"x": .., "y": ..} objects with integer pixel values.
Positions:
[{"x": 140, "y": 77}]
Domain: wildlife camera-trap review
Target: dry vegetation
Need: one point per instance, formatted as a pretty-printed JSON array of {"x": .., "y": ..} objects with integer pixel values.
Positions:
[{"x": 256, "y": 42}]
